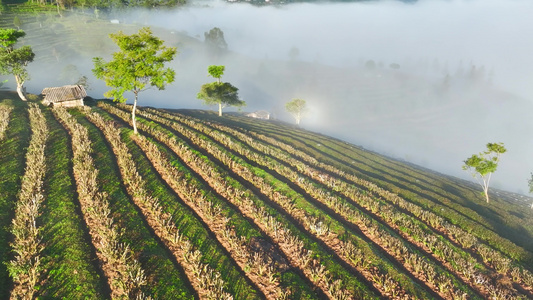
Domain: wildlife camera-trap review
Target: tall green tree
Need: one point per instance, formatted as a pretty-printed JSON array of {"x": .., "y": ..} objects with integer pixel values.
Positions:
[
  {"x": 14, "y": 61},
  {"x": 222, "y": 93},
  {"x": 139, "y": 65},
  {"x": 297, "y": 108},
  {"x": 482, "y": 165}
]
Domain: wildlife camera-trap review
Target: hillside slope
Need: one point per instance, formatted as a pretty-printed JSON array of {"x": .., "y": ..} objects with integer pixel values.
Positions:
[{"x": 204, "y": 207}]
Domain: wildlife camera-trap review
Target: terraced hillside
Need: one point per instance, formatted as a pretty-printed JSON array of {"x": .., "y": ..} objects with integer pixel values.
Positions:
[{"x": 204, "y": 207}]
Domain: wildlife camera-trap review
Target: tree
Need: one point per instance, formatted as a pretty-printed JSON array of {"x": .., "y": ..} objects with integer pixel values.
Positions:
[
  {"x": 17, "y": 22},
  {"x": 139, "y": 65},
  {"x": 297, "y": 108},
  {"x": 294, "y": 52},
  {"x": 222, "y": 93},
  {"x": 216, "y": 44},
  {"x": 215, "y": 38},
  {"x": 370, "y": 65},
  {"x": 14, "y": 61},
  {"x": 482, "y": 165}
]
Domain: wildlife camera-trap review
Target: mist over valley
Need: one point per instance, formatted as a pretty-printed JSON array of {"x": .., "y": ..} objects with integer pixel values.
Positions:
[{"x": 429, "y": 82}]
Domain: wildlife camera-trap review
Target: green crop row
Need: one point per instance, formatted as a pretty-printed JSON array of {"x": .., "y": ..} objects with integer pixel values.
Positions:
[
  {"x": 311, "y": 214},
  {"x": 26, "y": 268},
  {"x": 68, "y": 259},
  {"x": 439, "y": 247},
  {"x": 124, "y": 273},
  {"x": 242, "y": 199},
  {"x": 453, "y": 200},
  {"x": 212, "y": 211},
  {"x": 445, "y": 250},
  {"x": 12, "y": 151}
]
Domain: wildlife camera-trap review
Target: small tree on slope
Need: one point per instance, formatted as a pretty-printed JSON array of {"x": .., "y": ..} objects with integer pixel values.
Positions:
[
  {"x": 297, "y": 108},
  {"x": 139, "y": 65},
  {"x": 482, "y": 165},
  {"x": 14, "y": 61},
  {"x": 221, "y": 93}
]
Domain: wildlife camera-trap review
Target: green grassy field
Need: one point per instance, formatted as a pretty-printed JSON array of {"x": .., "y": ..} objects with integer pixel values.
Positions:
[{"x": 204, "y": 207}]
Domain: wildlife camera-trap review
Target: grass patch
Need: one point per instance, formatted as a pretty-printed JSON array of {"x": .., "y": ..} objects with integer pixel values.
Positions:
[
  {"x": 69, "y": 259},
  {"x": 163, "y": 277}
]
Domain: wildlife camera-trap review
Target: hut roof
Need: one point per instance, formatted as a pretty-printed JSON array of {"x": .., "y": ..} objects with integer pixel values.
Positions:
[{"x": 64, "y": 93}]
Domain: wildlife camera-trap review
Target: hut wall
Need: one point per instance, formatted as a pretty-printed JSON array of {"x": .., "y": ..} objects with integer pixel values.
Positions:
[{"x": 70, "y": 103}]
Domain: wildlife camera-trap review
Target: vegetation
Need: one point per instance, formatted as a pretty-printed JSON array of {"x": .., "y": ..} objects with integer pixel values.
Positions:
[
  {"x": 214, "y": 39},
  {"x": 112, "y": 201},
  {"x": 138, "y": 65},
  {"x": 68, "y": 4},
  {"x": 221, "y": 93},
  {"x": 199, "y": 206},
  {"x": 297, "y": 108},
  {"x": 5, "y": 112},
  {"x": 482, "y": 165},
  {"x": 25, "y": 268},
  {"x": 14, "y": 60}
]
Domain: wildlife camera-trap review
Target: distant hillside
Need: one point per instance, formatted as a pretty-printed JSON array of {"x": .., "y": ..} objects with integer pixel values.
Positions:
[{"x": 200, "y": 206}]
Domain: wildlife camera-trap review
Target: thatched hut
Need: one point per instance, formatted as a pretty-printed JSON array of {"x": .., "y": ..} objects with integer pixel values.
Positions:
[
  {"x": 67, "y": 96},
  {"x": 260, "y": 114}
]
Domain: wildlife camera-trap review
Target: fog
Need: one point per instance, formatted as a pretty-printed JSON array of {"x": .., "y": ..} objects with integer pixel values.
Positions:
[{"x": 462, "y": 78}]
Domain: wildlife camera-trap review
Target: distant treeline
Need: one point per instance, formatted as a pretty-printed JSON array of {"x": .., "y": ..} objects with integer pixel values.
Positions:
[{"x": 66, "y": 4}]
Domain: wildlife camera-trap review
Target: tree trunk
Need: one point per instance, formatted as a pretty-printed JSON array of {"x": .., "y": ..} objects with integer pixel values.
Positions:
[
  {"x": 220, "y": 109},
  {"x": 486, "y": 194},
  {"x": 20, "y": 88},
  {"x": 133, "y": 114}
]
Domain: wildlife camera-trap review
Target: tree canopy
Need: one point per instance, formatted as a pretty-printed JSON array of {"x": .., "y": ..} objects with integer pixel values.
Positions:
[
  {"x": 139, "y": 65},
  {"x": 297, "y": 108},
  {"x": 482, "y": 165},
  {"x": 112, "y": 3},
  {"x": 14, "y": 61},
  {"x": 215, "y": 38},
  {"x": 216, "y": 72},
  {"x": 215, "y": 42},
  {"x": 222, "y": 93}
]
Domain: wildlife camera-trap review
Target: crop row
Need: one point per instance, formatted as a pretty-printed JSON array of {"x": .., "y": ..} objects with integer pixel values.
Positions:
[
  {"x": 316, "y": 225},
  {"x": 309, "y": 220},
  {"x": 467, "y": 240},
  {"x": 464, "y": 265},
  {"x": 25, "y": 268},
  {"x": 206, "y": 280},
  {"x": 491, "y": 257},
  {"x": 247, "y": 201},
  {"x": 4, "y": 119},
  {"x": 267, "y": 268},
  {"x": 124, "y": 273},
  {"x": 218, "y": 216},
  {"x": 12, "y": 159},
  {"x": 343, "y": 209},
  {"x": 445, "y": 251},
  {"x": 413, "y": 185}
]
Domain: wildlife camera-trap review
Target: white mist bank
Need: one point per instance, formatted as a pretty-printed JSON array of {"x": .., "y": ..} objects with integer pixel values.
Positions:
[{"x": 416, "y": 112}]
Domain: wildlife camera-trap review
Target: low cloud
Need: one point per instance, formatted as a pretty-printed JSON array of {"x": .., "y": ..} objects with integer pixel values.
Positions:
[{"x": 462, "y": 77}]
